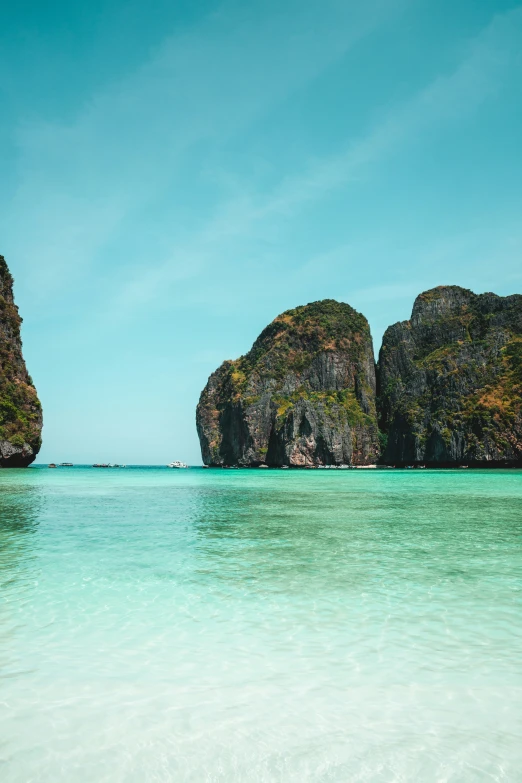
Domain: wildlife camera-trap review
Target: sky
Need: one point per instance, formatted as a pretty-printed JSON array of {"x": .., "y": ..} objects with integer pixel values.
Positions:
[{"x": 176, "y": 174}]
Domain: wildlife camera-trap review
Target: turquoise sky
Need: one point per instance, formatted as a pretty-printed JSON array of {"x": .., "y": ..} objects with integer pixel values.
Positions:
[{"x": 174, "y": 175}]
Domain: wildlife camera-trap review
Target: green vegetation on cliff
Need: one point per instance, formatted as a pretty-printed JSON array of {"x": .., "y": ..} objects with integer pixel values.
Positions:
[{"x": 294, "y": 338}]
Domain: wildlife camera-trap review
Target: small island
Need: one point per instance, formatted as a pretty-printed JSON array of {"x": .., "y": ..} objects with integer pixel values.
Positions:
[{"x": 304, "y": 395}]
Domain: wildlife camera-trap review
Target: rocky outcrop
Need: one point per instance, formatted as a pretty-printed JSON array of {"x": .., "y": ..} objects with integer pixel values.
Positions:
[
  {"x": 20, "y": 409},
  {"x": 304, "y": 395},
  {"x": 450, "y": 381}
]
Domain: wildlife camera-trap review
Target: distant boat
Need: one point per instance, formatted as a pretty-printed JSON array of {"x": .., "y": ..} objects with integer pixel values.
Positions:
[
  {"x": 66, "y": 465},
  {"x": 51, "y": 465},
  {"x": 177, "y": 464}
]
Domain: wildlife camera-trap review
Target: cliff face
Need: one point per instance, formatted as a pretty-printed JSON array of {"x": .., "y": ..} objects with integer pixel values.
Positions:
[
  {"x": 450, "y": 381},
  {"x": 303, "y": 395},
  {"x": 20, "y": 409}
]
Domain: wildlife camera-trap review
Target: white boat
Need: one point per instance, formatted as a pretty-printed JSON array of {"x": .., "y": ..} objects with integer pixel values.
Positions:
[{"x": 177, "y": 464}]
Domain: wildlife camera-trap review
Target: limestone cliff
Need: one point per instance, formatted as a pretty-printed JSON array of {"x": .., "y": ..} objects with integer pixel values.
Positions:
[
  {"x": 450, "y": 381},
  {"x": 20, "y": 409},
  {"x": 304, "y": 395}
]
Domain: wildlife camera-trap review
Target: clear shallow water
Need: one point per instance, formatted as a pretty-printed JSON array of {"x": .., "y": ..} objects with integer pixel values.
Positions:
[{"x": 198, "y": 625}]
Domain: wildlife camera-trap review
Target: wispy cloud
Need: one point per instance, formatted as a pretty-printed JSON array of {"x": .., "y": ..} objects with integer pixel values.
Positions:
[
  {"x": 80, "y": 182},
  {"x": 249, "y": 216},
  {"x": 446, "y": 99}
]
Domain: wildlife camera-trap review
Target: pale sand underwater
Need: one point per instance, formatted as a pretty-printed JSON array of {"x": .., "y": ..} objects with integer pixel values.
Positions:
[{"x": 204, "y": 625}]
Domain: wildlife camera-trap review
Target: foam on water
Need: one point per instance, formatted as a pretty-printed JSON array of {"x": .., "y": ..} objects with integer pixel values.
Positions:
[{"x": 198, "y": 625}]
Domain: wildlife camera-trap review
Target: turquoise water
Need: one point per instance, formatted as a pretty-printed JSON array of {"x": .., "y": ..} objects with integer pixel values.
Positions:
[{"x": 207, "y": 625}]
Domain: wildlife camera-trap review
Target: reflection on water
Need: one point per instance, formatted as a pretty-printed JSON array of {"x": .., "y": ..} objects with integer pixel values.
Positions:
[
  {"x": 286, "y": 537},
  {"x": 249, "y": 625},
  {"x": 20, "y": 506}
]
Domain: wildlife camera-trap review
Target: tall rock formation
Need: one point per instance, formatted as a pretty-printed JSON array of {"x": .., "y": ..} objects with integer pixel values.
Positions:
[
  {"x": 450, "y": 381},
  {"x": 20, "y": 409},
  {"x": 304, "y": 395}
]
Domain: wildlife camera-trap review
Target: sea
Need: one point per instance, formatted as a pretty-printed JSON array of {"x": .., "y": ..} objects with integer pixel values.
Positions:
[{"x": 249, "y": 625}]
